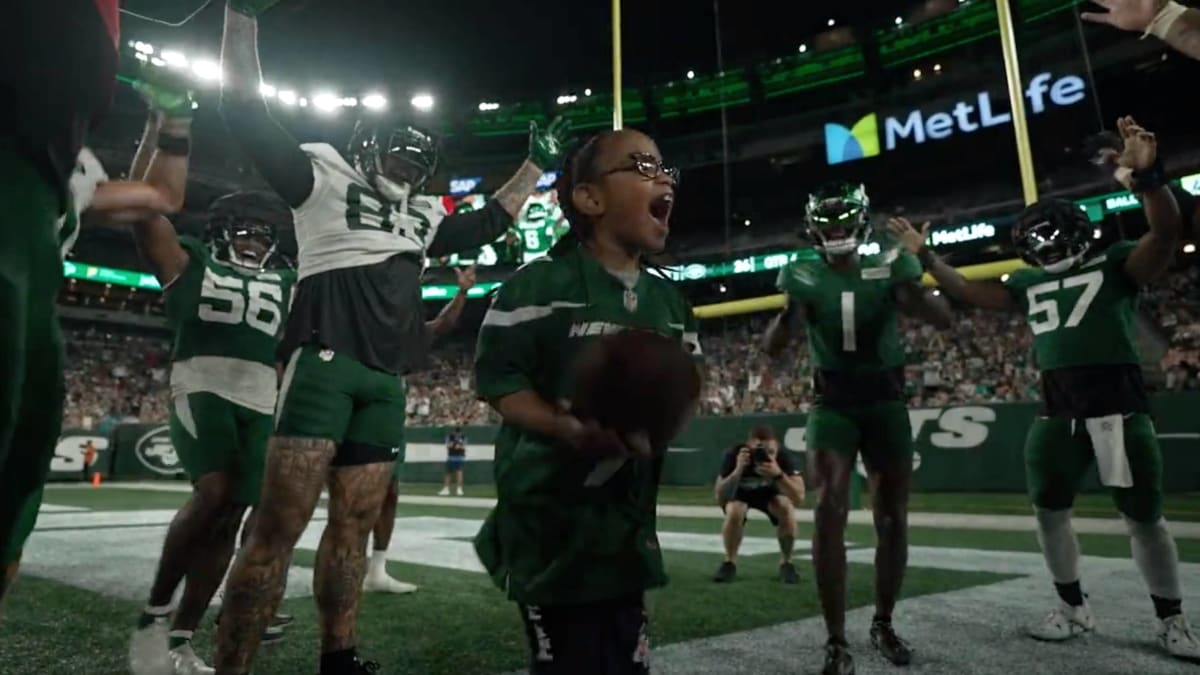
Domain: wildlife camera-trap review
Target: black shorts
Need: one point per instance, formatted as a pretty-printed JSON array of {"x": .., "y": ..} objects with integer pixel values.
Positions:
[
  {"x": 607, "y": 638},
  {"x": 759, "y": 500}
]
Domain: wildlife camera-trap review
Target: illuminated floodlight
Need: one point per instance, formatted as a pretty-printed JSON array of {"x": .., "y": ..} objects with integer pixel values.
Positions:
[
  {"x": 155, "y": 61},
  {"x": 587, "y": 92},
  {"x": 422, "y": 101},
  {"x": 374, "y": 101},
  {"x": 566, "y": 98},
  {"x": 488, "y": 106},
  {"x": 803, "y": 48},
  {"x": 1189, "y": 248},
  {"x": 303, "y": 102},
  {"x": 349, "y": 102},
  {"x": 691, "y": 74},
  {"x": 326, "y": 101},
  {"x": 207, "y": 70},
  {"x": 143, "y": 47},
  {"x": 287, "y": 97},
  {"x": 174, "y": 59},
  {"x": 830, "y": 23},
  {"x": 267, "y": 90},
  {"x": 899, "y": 21}
]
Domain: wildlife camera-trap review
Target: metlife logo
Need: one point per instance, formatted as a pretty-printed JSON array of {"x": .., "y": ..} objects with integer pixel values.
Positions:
[{"x": 916, "y": 127}]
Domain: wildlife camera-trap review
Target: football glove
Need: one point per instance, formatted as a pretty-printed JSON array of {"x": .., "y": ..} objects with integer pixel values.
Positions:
[
  {"x": 547, "y": 146},
  {"x": 251, "y": 8},
  {"x": 165, "y": 92}
]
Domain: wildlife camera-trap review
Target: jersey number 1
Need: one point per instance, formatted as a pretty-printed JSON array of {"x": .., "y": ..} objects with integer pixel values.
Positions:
[
  {"x": 261, "y": 313},
  {"x": 1043, "y": 312},
  {"x": 849, "y": 338}
]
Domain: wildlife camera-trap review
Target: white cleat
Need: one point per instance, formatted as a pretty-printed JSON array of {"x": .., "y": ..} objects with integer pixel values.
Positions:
[
  {"x": 1176, "y": 636},
  {"x": 1064, "y": 622},
  {"x": 149, "y": 653},
  {"x": 445, "y": 492},
  {"x": 459, "y": 492},
  {"x": 385, "y": 584},
  {"x": 187, "y": 663}
]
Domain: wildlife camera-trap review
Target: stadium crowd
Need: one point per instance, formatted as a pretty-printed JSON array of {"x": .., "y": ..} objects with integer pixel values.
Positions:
[{"x": 116, "y": 377}]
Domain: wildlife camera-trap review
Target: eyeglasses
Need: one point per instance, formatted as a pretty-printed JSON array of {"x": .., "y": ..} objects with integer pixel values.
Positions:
[{"x": 648, "y": 166}]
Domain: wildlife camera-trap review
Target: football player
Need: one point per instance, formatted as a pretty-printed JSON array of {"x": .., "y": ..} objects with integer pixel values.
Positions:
[
  {"x": 1080, "y": 303},
  {"x": 377, "y": 578},
  {"x": 572, "y": 538},
  {"x": 364, "y": 231},
  {"x": 846, "y": 304},
  {"x": 226, "y": 301},
  {"x": 39, "y": 404}
]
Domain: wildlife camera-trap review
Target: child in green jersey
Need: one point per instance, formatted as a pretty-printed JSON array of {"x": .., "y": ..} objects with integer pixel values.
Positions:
[
  {"x": 572, "y": 539},
  {"x": 1080, "y": 302}
]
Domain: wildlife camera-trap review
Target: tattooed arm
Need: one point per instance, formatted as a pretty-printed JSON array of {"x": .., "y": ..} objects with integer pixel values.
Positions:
[{"x": 446, "y": 319}]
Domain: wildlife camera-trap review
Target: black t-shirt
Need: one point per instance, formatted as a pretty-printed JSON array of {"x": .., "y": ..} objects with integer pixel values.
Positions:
[
  {"x": 456, "y": 445},
  {"x": 751, "y": 481}
]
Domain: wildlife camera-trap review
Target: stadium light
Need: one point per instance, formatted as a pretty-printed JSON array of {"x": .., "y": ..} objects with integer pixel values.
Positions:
[
  {"x": 1189, "y": 248},
  {"x": 831, "y": 23},
  {"x": 349, "y": 102},
  {"x": 303, "y": 102},
  {"x": 803, "y": 48},
  {"x": 287, "y": 97},
  {"x": 746, "y": 223},
  {"x": 267, "y": 90},
  {"x": 174, "y": 59},
  {"x": 722, "y": 288},
  {"x": 899, "y": 21},
  {"x": 936, "y": 292},
  {"x": 487, "y": 106},
  {"x": 937, "y": 67},
  {"x": 691, "y": 74},
  {"x": 587, "y": 92},
  {"x": 326, "y": 101},
  {"x": 423, "y": 102},
  {"x": 155, "y": 61},
  {"x": 1003, "y": 278},
  {"x": 916, "y": 73},
  {"x": 143, "y": 47},
  {"x": 374, "y": 101},
  {"x": 567, "y": 98},
  {"x": 207, "y": 70},
  {"x": 141, "y": 57}
]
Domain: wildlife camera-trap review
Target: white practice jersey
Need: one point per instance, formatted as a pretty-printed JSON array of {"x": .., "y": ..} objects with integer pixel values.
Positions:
[
  {"x": 345, "y": 222},
  {"x": 87, "y": 176}
]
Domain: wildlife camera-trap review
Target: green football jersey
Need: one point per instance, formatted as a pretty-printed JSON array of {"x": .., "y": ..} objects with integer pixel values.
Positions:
[
  {"x": 851, "y": 315},
  {"x": 1081, "y": 317},
  {"x": 226, "y": 321},
  {"x": 569, "y": 530}
]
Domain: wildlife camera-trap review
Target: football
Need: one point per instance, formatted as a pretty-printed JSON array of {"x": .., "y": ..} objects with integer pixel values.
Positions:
[{"x": 634, "y": 381}]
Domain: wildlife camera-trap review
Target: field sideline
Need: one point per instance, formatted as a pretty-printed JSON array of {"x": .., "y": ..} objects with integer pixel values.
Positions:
[{"x": 968, "y": 592}]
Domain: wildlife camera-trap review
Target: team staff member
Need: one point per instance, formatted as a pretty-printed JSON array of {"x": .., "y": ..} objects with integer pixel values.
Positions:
[
  {"x": 572, "y": 538},
  {"x": 456, "y": 457},
  {"x": 756, "y": 475}
]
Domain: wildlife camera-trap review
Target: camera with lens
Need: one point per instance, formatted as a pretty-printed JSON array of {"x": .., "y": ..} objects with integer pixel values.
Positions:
[{"x": 758, "y": 453}]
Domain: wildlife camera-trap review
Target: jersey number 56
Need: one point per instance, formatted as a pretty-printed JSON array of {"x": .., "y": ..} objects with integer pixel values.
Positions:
[{"x": 234, "y": 301}]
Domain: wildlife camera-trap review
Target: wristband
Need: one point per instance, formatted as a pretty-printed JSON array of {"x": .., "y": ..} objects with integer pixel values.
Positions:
[
  {"x": 926, "y": 257},
  {"x": 1166, "y": 17},
  {"x": 1148, "y": 180},
  {"x": 174, "y": 145}
]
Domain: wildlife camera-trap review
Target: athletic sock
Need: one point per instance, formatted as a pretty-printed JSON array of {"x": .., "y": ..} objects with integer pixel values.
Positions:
[
  {"x": 1167, "y": 607},
  {"x": 378, "y": 565},
  {"x": 335, "y": 663},
  {"x": 150, "y": 614},
  {"x": 179, "y": 638},
  {"x": 1070, "y": 593}
]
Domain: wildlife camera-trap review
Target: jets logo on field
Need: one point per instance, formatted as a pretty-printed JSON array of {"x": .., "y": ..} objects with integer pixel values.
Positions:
[{"x": 155, "y": 452}]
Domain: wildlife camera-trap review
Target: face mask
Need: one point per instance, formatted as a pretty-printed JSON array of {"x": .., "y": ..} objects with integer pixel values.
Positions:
[
  {"x": 1062, "y": 265},
  {"x": 840, "y": 246}
]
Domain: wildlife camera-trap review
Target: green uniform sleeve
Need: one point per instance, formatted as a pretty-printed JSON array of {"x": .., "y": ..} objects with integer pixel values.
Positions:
[
  {"x": 507, "y": 353},
  {"x": 906, "y": 267},
  {"x": 787, "y": 282},
  {"x": 183, "y": 293}
]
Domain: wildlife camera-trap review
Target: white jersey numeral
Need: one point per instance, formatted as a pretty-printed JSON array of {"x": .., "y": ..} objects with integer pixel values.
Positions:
[
  {"x": 228, "y": 302},
  {"x": 849, "y": 337},
  {"x": 1043, "y": 312}
]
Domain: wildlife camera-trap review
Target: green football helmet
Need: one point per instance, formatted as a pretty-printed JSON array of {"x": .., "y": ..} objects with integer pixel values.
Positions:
[{"x": 837, "y": 219}]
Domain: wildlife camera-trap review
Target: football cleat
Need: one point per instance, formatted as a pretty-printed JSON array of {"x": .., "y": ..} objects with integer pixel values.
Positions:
[
  {"x": 459, "y": 491},
  {"x": 788, "y": 573},
  {"x": 1063, "y": 623},
  {"x": 445, "y": 492},
  {"x": 385, "y": 584},
  {"x": 282, "y": 619},
  {"x": 837, "y": 658},
  {"x": 1176, "y": 636},
  {"x": 725, "y": 573},
  {"x": 892, "y": 646},
  {"x": 187, "y": 663},
  {"x": 149, "y": 653}
]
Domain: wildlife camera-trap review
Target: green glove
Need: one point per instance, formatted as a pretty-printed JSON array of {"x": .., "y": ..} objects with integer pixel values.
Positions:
[
  {"x": 164, "y": 92},
  {"x": 547, "y": 146},
  {"x": 251, "y": 8}
]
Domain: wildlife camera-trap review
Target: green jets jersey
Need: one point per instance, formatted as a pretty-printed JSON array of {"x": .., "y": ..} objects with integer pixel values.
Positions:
[
  {"x": 226, "y": 321},
  {"x": 851, "y": 315},
  {"x": 1081, "y": 317},
  {"x": 568, "y": 530}
]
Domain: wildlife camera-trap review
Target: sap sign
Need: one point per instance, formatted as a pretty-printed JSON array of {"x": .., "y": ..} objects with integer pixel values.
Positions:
[
  {"x": 464, "y": 186},
  {"x": 863, "y": 140}
]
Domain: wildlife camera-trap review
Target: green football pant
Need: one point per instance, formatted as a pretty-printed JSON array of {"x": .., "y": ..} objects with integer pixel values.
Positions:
[
  {"x": 31, "y": 384},
  {"x": 882, "y": 432},
  {"x": 333, "y": 396},
  {"x": 212, "y": 434},
  {"x": 1058, "y": 452}
]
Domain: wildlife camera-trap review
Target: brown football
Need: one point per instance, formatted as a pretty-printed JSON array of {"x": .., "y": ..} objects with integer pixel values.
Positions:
[{"x": 637, "y": 380}]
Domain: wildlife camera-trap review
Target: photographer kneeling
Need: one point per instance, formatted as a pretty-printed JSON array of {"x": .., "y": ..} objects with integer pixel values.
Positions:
[{"x": 756, "y": 476}]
